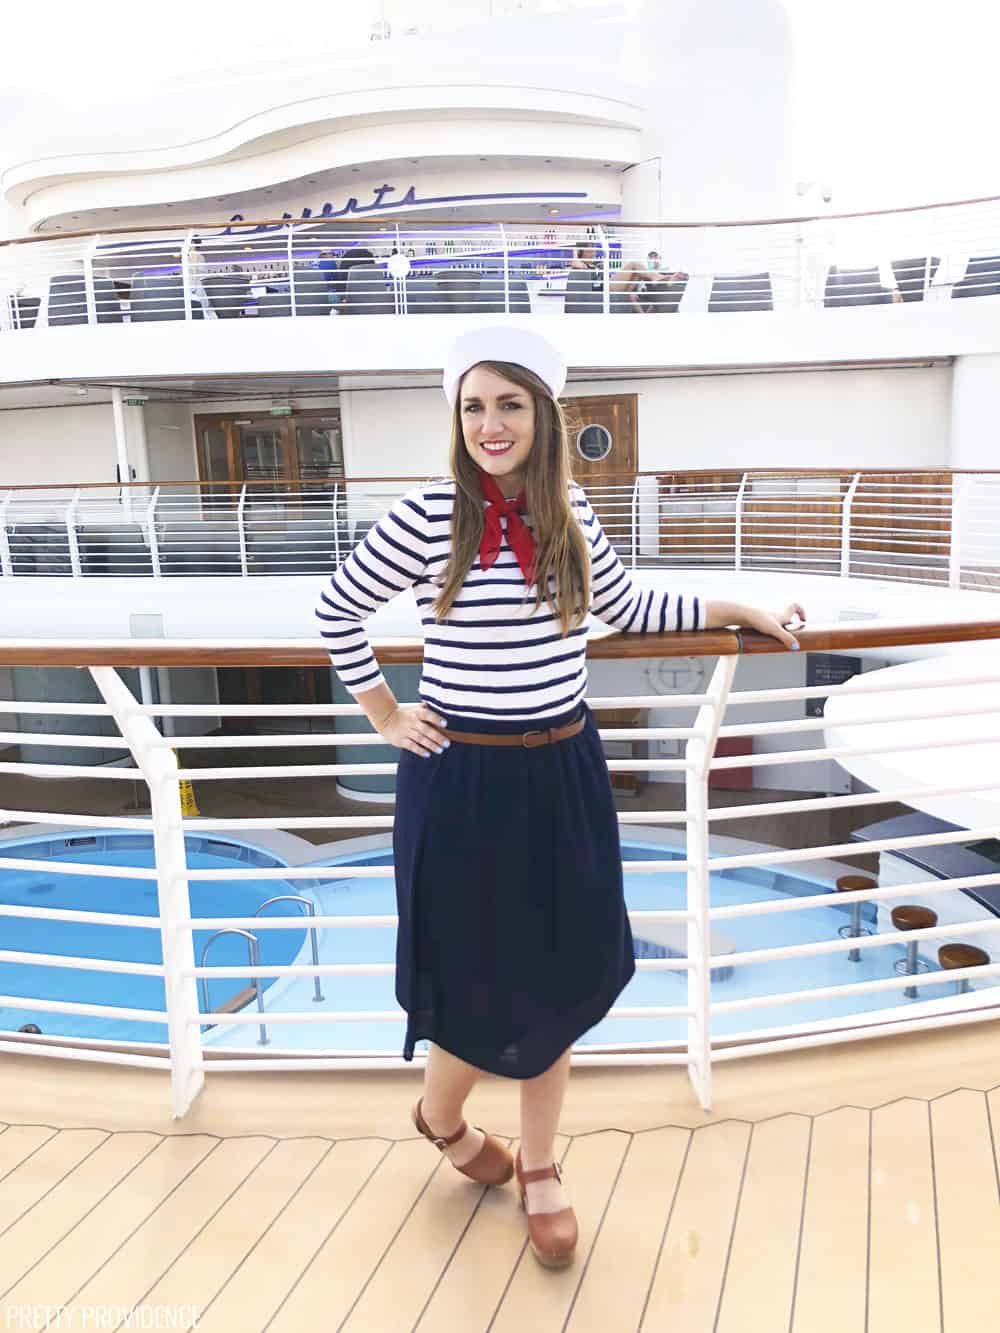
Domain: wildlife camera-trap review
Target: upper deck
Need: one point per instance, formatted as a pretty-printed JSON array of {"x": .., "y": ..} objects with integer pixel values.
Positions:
[{"x": 246, "y": 298}]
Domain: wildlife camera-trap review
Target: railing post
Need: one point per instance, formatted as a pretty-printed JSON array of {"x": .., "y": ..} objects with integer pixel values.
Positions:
[
  {"x": 6, "y": 564},
  {"x": 88, "y": 282},
  {"x": 121, "y": 451},
  {"x": 606, "y": 252},
  {"x": 738, "y": 533},
  {"x": 845, "y": 527},
  {"x": 241, "y": 530},
  {"x": 635, "y": 524},
  {"x": 698, "y": 755},
  {"x": 506, "y": 269},
  {"x": 291, "y": 269},
  {"x": 959, "y": 494},
  {"x": 186, "y": 275},
  {"x": 159, "y": 768},
  {"x": 154, "y": 545},
  {"x": 71, "y": 535},
  {"x": 336, "y": 525}
]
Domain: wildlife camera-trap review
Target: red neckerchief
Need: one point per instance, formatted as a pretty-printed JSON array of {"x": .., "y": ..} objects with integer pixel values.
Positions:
[{"x": 518, "y": 533}]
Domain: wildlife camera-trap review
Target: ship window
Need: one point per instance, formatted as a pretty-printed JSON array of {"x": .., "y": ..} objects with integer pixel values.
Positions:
[{"x": 594, "y": 443}]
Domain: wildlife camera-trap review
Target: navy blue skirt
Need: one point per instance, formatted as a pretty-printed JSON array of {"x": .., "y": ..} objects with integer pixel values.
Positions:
[{"x": 513, "y": 938}]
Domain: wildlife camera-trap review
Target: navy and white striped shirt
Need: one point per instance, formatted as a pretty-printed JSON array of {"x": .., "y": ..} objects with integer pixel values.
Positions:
[{"x": 494, "y": 656}]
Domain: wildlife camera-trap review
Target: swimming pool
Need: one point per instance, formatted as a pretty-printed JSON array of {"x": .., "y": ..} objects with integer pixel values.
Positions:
[
  {"x": 658, "y": 890},
  {"x": 135, "y": 897}
]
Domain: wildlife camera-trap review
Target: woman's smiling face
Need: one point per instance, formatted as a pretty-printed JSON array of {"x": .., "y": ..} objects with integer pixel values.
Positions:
[{"x": 498, "y": 426}]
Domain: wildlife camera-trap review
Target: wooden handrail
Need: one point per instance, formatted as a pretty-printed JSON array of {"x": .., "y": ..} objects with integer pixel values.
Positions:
[
  {"x": 547, "y": 224},
  {"x": 295, "y": 485},
  {"x": 401, "y": 652}
]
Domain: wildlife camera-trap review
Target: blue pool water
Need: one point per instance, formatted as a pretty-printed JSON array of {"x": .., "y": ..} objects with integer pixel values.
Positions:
[
  {"x": 134, "y": 897},
  {"x": 362, "y": 897}
]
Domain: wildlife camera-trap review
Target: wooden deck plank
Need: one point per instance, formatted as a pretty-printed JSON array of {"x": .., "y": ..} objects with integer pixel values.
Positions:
[
  {"x": 255, "y": 1292},
  {"x": 684, "y": 1295},
  {"x": 226, "y": 1241},
  {"x": 760, "y": 1275},
  {"x": 620, "y": 1267},
  {"x": 903, "y": 1286},
  {"x": 45, "y": 1168},
  {"x": 469, "y": 1283},
  {"x": 348, "y": 1260},
  {"x": 831, "y": 1293},
  {"x": 82, "y": 1253},
  {"x": 18, "y": 1142},
  {"x": 538, "y": 1298},
  {"x": 968, "y": 1208},
  {"x": 152, "y": 1248},
  {"x": 26, "y": 1241}
]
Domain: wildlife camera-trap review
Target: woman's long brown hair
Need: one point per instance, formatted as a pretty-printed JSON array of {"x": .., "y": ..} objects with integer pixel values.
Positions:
[{"x": 562, "y": 558}]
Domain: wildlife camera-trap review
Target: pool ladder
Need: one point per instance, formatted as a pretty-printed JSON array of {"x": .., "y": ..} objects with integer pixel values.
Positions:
[{"x": 253, "y": 949}]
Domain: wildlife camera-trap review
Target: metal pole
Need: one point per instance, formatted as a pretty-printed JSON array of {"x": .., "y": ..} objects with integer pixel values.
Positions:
[
  {"x": 186, "y": 275},
  {"x": 845, "y": 527},
  {"x": 635, "y": 524},
  {"x": 310, "y": 908},
  {"x": 336, "y": 526},
  {"x": 159, "y": 767},
  {"x": 958, "y": 498},
  {"x": 241, "y": 530},
  {"x": 506, "y": 269},
  {"x": 698, "y": 754},
  {"x": 606, "y": 252},
  {"x": 291, "y": 269},
  {"x": 72, "y": 535},
  {"x": 154, "y": 545},
  {"x": 88, "y": 282},
  {"x": 121, "y": 451},
  {"x": 6, "y": 564},
  {"x": 738, "y": 535}
]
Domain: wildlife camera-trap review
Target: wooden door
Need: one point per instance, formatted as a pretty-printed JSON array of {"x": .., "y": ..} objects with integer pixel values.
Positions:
[
  {"x": 272, "y": 453},
  {"x": 603, "y": 452}
]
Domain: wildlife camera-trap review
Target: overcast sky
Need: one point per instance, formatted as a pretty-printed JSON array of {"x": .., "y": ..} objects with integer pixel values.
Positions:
[{"x": 893, "y": 101}]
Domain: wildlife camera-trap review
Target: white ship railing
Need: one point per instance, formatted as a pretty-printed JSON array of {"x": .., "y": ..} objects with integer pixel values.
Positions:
[
  {"x": 690, "y": 746},
  {"x": 937, "y": 528},
  {"x": 307, "y": 267}
]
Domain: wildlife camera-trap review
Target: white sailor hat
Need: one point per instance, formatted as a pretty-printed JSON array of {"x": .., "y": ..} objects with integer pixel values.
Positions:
[{"x": 519, "y": 346}]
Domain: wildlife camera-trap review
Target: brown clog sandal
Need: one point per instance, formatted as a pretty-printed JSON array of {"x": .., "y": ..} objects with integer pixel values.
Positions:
[
  {"x": 492, "y": 1164},
  {"x": 552, "y": 1236}
]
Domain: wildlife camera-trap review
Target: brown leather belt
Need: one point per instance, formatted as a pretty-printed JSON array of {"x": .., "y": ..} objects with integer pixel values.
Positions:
[{"x": 529, "y": 740}]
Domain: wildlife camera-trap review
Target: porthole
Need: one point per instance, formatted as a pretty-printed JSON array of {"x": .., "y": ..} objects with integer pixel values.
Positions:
[{"x": 594, "y": 443}]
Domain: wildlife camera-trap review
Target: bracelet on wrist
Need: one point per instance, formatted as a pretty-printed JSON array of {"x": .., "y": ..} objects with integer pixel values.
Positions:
[{"x": 380, "y": 725}]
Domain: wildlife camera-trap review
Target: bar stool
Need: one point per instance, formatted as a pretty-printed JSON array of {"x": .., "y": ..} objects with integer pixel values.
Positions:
[
  {"x": 854, "y": 884},
  {"x": 912, "y": 917},
  {"x": 962, "y": 955}
]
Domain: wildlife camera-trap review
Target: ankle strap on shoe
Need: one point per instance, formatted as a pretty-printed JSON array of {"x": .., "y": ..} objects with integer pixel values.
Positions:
[
  {"x": 439, "y": 1142},
  {"x": 545, "y": 1173}
]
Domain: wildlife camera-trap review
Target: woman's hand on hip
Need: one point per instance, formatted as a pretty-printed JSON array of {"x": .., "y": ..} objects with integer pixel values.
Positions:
[{"x": 415, "y": 727}]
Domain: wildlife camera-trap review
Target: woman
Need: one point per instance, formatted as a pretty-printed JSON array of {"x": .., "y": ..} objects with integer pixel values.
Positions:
[{"x": 513, "y": 938}]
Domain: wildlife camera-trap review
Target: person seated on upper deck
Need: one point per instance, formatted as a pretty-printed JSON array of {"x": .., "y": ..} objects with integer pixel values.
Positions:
[
  {"x": 661, "y": 291},
  {"x": 585, "y": 256},
  {"x": 626, "y": 286}
]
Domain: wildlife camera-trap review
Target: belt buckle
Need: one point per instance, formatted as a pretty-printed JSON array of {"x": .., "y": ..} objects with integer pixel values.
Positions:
[{"x": 529, "y": 744}]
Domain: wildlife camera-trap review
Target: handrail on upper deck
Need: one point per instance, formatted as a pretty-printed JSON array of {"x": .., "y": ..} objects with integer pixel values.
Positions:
[
  {"x": 294, "y": 484},
  {"x": 427, "y": 219}
]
